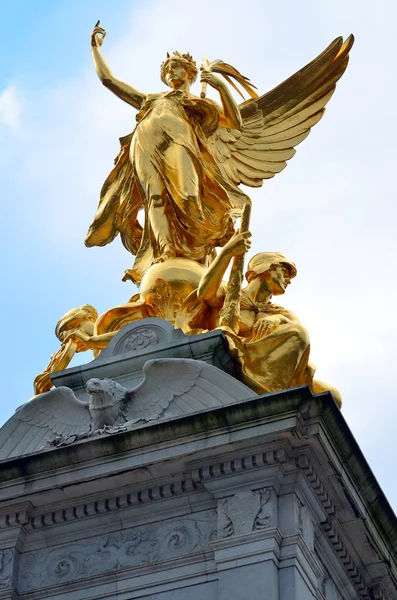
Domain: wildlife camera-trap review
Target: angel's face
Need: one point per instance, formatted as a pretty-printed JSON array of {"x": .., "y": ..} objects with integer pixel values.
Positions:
[{"x": 176, "y": 75}]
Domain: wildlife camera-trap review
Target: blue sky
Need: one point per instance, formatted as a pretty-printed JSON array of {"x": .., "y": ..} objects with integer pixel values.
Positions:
[{"x": 332, "y": 211}]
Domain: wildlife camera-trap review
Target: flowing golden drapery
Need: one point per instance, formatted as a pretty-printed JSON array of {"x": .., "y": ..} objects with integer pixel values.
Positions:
[{"x": 167, "y": 156}]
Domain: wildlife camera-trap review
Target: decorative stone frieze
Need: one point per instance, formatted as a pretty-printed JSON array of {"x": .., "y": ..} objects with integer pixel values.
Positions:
[{"x": 128, "y": 549}]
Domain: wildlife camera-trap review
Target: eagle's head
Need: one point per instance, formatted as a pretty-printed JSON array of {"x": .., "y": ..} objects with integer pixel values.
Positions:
[
  {"x": 104, "y": 402},
  {"x": 103, "y": 392}
]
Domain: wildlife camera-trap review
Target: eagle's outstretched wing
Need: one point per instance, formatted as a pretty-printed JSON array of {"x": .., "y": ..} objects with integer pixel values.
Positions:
[
  {"x": 164, "y": 380},
  {"x": 57, "y": 412},
  {"x": 275, "y": 123},
  {"x": 174, "y": 386}
]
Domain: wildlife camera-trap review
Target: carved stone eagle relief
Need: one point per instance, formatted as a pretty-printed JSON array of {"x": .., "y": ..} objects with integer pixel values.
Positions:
[{"x": 171, "y": 387}]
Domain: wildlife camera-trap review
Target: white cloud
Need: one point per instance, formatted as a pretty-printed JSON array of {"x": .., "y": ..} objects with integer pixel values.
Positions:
[{"x": 10, "y": 108}]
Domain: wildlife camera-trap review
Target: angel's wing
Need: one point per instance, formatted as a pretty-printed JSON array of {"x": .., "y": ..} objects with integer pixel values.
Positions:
[
  {"x": 57, "y": 412},
  {"x": 276, "y": 122},
  {"x": 175, "y": 386}
]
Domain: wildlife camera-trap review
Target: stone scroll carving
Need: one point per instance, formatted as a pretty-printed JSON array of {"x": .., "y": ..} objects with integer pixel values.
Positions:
[
  {"x": 132, "y": 548},
  {"x": 6, "y": 564},
  {"x": 245, "y": 512}
]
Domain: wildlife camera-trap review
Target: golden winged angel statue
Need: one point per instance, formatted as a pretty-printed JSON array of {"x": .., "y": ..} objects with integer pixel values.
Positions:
[{"x": 187, "y": 155}]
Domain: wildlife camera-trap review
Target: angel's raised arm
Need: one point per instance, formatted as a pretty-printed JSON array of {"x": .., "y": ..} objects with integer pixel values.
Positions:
[{"x": 122, "y": 90}]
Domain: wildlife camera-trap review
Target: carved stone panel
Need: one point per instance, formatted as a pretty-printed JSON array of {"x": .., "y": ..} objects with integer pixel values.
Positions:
[
  {"x": 245, "y": 512},
  {"x": 140, "y": 336},
  {"x": 6, "y": 567},
  {"x": 305, "y": 524},
  {"x": 131, "y": 548}
]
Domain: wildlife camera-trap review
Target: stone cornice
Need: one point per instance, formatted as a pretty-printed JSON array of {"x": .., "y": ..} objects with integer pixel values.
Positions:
[
  {"x": 339, "y": 547},
  {"x": 332, "y": 531},
  {"x": 303, "y": 463},
  {"x": 30, "y": 518}
]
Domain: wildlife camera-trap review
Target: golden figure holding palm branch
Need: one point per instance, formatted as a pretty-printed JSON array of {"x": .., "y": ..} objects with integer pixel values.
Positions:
[{"x": 187, "y": 156}]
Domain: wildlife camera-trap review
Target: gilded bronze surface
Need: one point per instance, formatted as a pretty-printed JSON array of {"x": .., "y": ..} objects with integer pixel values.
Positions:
[
  {"x": 230, "y": 312},
  {"x": 79, "y": 321},
  {"x": 271, "y": 345},
  {"x": 182, "y": 166},
  {"x": 187, "y": 155}
]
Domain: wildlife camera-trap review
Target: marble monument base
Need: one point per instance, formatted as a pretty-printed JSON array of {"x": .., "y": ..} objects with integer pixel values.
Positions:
[{"x": 267, "y": 497}]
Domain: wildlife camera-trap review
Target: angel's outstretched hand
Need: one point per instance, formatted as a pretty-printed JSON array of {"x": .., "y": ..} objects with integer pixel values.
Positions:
[{"x": 97, "y": 36}]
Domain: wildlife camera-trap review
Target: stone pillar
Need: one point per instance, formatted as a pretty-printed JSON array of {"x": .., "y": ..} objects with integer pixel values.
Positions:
[
  {"x": 300, "y": 570},
  {"x": 12, "y": 534},
  {"x": 247, "y": 550}
]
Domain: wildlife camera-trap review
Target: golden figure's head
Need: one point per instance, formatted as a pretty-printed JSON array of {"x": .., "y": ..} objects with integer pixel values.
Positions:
[
  {"x": 178, "y": 68},
  {"x": 74, "y": 319},
  {"x": 272, "y": 267}
]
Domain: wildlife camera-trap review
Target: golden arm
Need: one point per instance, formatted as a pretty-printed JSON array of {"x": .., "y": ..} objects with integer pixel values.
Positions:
[
  {"x": 210, "y": 284},
  {"x": 231, "y": 116},
  {"x": 119, "y": 88},
  {"x": 93, "y": 342},
  {"x": 230, "y": 109},
  {"x": 59, "y": 361}
]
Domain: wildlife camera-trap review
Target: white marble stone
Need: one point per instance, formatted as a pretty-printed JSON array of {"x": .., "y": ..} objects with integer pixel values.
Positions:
[
  {"x": 255, "y": 497},
  {"x": 171, "y": 387}
]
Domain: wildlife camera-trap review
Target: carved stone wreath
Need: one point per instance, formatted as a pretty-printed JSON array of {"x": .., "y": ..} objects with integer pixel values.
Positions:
[{"x": 138, "y": 340}]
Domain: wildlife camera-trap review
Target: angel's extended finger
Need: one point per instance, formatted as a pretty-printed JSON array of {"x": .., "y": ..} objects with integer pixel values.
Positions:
[{"x": 97, "y": 23}]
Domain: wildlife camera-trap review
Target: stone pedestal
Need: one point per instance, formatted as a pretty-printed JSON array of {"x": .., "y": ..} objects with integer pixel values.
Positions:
[{"x": 265, "y": 498}]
